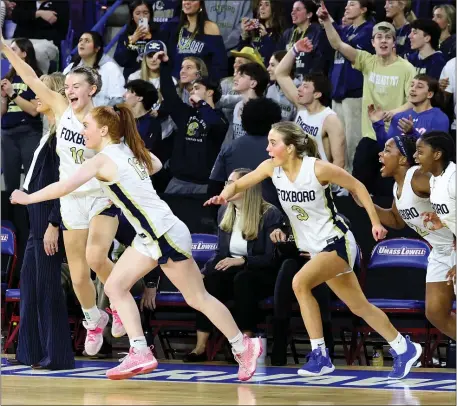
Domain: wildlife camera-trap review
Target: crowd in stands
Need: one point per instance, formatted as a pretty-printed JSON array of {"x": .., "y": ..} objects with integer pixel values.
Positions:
[{"x": 228, "y": 71}]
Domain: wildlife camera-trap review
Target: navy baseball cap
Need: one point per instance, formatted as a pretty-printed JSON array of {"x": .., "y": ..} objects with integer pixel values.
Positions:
[{"x": 154, "y": 46}]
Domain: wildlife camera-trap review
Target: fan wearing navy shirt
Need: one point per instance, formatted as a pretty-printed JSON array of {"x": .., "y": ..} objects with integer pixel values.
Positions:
[
  {"x": 425, "y": 116},
  {"x": 444, "y": 16},
  {"x": 425, "y": 36},
  {"x": 200, "y": 131}
]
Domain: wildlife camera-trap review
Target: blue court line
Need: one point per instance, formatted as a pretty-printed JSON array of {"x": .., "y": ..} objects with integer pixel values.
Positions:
[{"x": 276, "y": 376}]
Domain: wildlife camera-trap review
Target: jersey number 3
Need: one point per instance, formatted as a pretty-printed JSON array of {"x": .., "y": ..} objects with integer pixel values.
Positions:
[
  {"x": 302, "y": 215},
  {"x": 77, "y": 155}
]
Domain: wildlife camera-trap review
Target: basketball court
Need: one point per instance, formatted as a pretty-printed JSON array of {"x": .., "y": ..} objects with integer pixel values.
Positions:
[{"x": 216, "y": 383}]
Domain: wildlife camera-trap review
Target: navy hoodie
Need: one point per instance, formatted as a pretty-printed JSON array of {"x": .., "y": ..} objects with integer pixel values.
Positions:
[
  {"x": 431, "y": 66},
  {"x": 209, "y": 48},
  {"x": 199, "y": 136},
  {"x": 347, "y": 81}
]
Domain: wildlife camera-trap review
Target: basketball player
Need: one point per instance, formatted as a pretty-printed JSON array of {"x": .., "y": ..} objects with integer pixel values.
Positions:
[
  {"x": 89, "y": 220},
  {"x": 123, "y": 169},
  {"x": 311, "y": 99},
  {"x": 436, "y": 154},
  {"x": 302, "y": 184},
  {"x": 411, "y": 198}
]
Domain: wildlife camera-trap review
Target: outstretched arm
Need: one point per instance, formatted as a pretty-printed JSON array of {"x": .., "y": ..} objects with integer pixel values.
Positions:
[
  {"x": 28, "y": 75},
  {"x": 263, "y": 171},
  {"x": 328, "y": 173},
  {"x": 88, "y": 170}
]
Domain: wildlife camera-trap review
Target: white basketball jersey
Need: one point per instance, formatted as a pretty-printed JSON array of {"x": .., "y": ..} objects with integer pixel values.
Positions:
[
  {"x": 410, "y": 207},
  {"x": 309, "y": 205},
  {"x": 72, "y": 150},
  {"x": 442, "y": 196},
  {"x": 133, "y": 193},
  {"x": 312, "y": 125}
]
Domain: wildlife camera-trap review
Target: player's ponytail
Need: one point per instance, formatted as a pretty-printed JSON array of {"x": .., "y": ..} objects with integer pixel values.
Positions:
[
  {"x": 121, "y": 123},
  {"x": 292, "y": 134}
]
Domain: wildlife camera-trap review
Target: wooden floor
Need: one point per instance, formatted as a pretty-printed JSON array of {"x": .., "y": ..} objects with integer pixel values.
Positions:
[{"x": 183, "y": 384}]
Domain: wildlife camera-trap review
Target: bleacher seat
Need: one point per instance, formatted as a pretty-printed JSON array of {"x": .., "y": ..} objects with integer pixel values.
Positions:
[{"x": 388, "y": 258}]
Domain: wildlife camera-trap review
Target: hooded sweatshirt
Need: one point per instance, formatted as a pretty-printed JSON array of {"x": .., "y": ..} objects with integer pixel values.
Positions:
[{"x": 112, "y": 91}]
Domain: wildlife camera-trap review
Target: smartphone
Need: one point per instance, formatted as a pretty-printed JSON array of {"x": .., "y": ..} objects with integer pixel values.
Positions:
[
  {"x": 255, "y": 22},
  {"x": 143, "y": 22}
]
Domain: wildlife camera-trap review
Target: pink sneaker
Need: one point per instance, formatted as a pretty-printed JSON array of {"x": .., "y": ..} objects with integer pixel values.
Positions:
[
  {"x": 117, "y": 328},
  {"x": 94, "y": 337},
  {"x": 135, "y": 363},
  {"x": 248, "y": 358}
]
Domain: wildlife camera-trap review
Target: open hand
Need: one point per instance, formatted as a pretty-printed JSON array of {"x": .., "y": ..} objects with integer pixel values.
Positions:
[
  {"x": 304, "y": 45},
  {"x": 322, "y": 12},
  {"x": 406, "y": 125},
  {"x": 227, "y": 263},
  {"x": 148, "y": 300},
  {"x": 19, "y": 197},
  {"x": 431, "y": 221},
  {"x": 375, "y": 114},
  {"x": 51, "y": 240},
  {"x": 216, "y": 200}
]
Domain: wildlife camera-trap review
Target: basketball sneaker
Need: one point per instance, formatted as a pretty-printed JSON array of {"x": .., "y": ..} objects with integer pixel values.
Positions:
[
  {"x": 247, "y": 359},
  {"x": 117, "y": 328},
  {"x": 94, "y": 336},
  {"x": 318, "y": 364},
  {"x": 135, "y": 363},
  {"x": 404, "y": 362}
]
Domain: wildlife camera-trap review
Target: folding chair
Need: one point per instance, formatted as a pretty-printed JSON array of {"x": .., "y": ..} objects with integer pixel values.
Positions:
[
  {"x": 172, "y": 301},
  {"x": 392, "y": 263}
]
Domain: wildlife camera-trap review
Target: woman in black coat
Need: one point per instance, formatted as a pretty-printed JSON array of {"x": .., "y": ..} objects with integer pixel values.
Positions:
[
  {"x": 44, "y": 332},
  {"x": 244, "y": 268}
]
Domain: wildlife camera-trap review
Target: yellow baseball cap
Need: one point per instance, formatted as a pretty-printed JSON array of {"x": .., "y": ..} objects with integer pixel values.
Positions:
[
  {"x": 251, "y": 54},
  {"x": 384, "y": 27}
]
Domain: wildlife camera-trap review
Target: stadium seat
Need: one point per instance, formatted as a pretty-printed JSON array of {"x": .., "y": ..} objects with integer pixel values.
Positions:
[{"x": 388, "y": 259}]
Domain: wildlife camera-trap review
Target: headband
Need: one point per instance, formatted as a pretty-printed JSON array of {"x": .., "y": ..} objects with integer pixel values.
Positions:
[{"x": 400, "y": 145}]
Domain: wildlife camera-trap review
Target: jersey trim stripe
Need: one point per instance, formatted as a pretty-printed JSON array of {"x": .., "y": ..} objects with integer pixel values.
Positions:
[
  {"x": 337, "y": 221},
  {"x": 133, "y": 209}
]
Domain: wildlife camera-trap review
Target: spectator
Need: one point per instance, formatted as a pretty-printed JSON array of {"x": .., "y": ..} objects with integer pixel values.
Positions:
[
  {"x": 230, "y": 97},
  {"x": 44, "y": 333},
  {"x": 195, "y": 35},
  {"x": 21, "y": 123},
  {"x": 264, "y": 33},
  {"x": 200, "y": 131},
  {"x": 387, "y": 81},
  {"x": 306, "y": 25},
  {"x": 192, "y": 68},
  {"x": 90, "y": 54},
  {"x": 399, "y": 11},
  {"x": 447, "y": 82},
  {"x": 251, "y": 81},
  {"x": 132, "y": 42},
  {"x": 249, "y": 151},
  {"x": 425, "y": 36},
  {"x": 426, "y": 99},
  {"x": 274, "y": 91},
  {"x": 444, "y": 16},
  {"x": 228, "y": 15},
  {"x": 243, "y": 268},
  {"x": 347, "y": 82},
  {"x": 150, "y": 72},
  {"x": 45, "y": 23},
  {"x": 164, "y": 10},
  {"x": 313, "y": 116},
  {"x": 141, "y": 96}
]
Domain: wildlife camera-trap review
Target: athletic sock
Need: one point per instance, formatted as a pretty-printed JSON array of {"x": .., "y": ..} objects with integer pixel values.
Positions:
[
  {"x": 139, "y": 343},
  {"x": 319, "y": 343},
  {"x": 399, "y": 344},
  {"x": 92, "y": 316},
  {"x": 237, "y": 343}
]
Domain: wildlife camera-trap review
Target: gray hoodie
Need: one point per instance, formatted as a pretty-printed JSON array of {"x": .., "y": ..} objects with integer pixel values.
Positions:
[{"x": 227, "y": 14}]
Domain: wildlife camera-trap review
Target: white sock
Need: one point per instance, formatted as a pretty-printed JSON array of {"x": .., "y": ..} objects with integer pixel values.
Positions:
[
  {"x": 399, "y": 344},
  {"x": 139, "y": 343},
  {"x": 318, "y": 343},
  {"x": 92, "y": 315},
  {"x": 237, "y": 343}
]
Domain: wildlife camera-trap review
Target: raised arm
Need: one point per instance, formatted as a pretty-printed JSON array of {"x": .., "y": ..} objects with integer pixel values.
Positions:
[
  {"x": 28, "y": 75},
  {"x": 263, "y": 171},
  {"x": 328, "y": 173},
  {"x": 334, "y": 38},
  {"x": 88, "y": 170}
]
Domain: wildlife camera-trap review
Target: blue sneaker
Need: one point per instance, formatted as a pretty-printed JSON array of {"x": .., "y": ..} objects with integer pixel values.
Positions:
[
  {"x": 317, "y": 364},
  {"x": 404, "y": 362}
]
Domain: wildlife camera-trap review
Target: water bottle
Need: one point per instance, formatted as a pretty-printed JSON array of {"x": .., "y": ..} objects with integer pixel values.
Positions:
[{"x": 378, "y": 356}]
